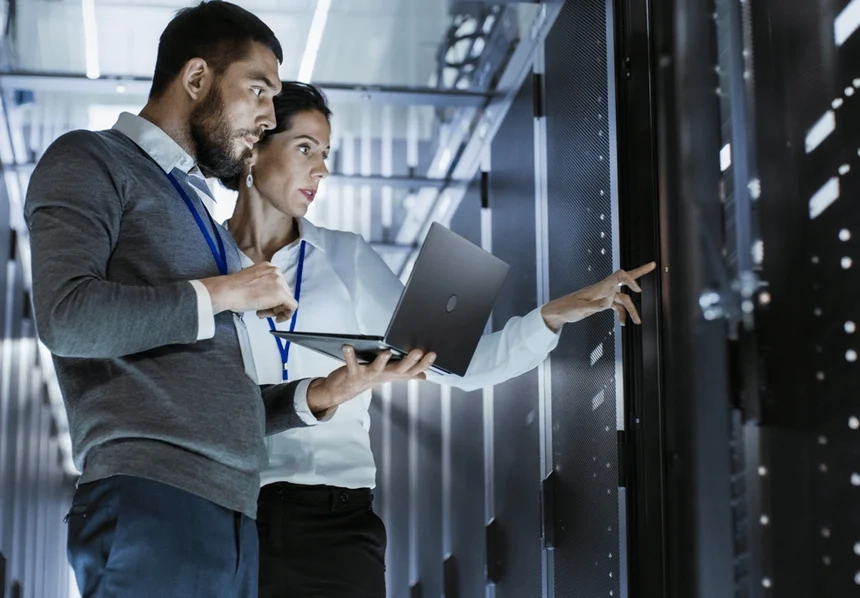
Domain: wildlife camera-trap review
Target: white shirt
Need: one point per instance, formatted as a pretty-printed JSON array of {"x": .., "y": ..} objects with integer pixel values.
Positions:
[{"x": 348, "y": 288}]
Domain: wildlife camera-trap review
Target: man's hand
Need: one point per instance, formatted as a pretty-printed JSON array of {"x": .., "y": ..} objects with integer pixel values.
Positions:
[
  {"x": 604, "y": 295},
  {"x": 353, "y": 379},
  {"x": 261, "y": 288}
]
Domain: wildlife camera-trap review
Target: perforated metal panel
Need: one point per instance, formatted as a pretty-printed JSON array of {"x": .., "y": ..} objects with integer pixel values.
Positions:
[
  {"x": 397, "y": 497},
  {"x": 467, "y": 492},
  {"x": 580, "y": 250},
  {"x": 466, "y": 221},
  {"x": 467, "y": 452},
  {"x": 429, "y": 499},
  {"x": 807, "y": 85},
  {"x": 516, "y": 414}
]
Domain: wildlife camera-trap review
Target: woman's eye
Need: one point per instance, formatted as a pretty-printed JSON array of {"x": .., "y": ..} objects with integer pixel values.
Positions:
[{"x": 305, "y": 149}]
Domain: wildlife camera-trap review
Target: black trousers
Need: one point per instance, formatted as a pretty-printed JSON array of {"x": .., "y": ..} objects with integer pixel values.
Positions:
[{"x": 320, "y": 542}]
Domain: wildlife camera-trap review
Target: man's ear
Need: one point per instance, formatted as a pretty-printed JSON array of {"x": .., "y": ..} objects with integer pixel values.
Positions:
[{"x": 196, "y": 78}]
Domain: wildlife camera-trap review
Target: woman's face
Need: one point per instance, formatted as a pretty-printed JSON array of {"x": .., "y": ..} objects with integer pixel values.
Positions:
[{"x": 291, "y": 164}]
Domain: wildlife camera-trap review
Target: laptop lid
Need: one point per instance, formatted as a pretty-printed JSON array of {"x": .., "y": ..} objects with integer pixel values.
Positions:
[{"x": 448, "y": 299}]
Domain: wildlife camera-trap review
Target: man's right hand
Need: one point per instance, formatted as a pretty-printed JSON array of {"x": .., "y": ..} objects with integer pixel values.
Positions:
[
  {"x": 354, "y": 378},
  {"x": 260, "y": 288}
]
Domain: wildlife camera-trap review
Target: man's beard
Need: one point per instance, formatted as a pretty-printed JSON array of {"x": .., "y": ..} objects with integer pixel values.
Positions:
[{"x": 213, "y": 139}]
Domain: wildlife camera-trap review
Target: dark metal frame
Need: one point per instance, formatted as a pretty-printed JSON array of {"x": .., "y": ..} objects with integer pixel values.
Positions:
[
  {"x": 641, "y": 445},
  {"x": 676, "y": 366},
  {"x": 335, "y": 92}
]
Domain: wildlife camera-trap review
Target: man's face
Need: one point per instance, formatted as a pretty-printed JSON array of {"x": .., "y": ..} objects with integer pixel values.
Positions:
[{"x": 227, "y": 123}]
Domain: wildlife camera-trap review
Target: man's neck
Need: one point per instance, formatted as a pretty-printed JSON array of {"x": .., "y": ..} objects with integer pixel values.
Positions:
[
  {"x": 172, "y": 121},
  {"x": 259, "y": 229}
]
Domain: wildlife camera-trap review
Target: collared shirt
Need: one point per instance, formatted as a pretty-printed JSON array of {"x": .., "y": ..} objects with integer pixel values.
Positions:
[
  {"x": 169, "y": 155},
  {"x": 348, "y": 288}
]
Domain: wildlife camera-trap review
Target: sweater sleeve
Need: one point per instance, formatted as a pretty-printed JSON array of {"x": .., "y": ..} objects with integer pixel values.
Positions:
[{"x": 74, "y": 209}]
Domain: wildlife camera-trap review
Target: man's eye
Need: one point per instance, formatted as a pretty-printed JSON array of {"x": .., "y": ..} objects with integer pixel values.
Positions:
[{"x": 258, "y": 92}]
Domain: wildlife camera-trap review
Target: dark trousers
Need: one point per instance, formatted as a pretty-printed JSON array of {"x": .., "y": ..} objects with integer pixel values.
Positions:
[
  {"x": 320, "y": 542},
  {"x": 135, "y": 538}
]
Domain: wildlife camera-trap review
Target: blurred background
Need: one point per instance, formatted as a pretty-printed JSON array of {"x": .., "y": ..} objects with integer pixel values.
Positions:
[{"x": 712, "y": 452}]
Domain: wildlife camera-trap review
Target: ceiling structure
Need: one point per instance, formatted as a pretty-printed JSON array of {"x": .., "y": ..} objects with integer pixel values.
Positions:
[{"x": 381, "y": 42}]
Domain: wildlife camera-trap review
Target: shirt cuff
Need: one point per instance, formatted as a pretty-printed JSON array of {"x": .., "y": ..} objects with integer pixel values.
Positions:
[
  {"x": 303, "y": 410},
  {"x": 537, "y": 335},
  {"x": 205, "y": 315}
]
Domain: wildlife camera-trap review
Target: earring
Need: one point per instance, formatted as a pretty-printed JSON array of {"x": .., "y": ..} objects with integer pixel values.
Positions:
[{"x": 249, "y": 180}]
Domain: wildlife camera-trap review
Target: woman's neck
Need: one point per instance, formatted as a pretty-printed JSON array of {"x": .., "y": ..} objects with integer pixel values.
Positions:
[{"x": 259, "y": 229}]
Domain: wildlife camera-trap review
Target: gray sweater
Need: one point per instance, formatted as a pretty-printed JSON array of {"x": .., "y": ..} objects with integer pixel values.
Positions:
[{"x": 113, "y": 248}]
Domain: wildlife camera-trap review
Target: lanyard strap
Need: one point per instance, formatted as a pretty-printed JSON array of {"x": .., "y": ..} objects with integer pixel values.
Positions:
[
  {"x": 284, "y": 346},
  {"x": 219, "y": 253}
]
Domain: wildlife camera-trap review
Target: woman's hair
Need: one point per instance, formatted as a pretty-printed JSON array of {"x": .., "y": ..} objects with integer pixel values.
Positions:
[{"x": 294, "y": 99}]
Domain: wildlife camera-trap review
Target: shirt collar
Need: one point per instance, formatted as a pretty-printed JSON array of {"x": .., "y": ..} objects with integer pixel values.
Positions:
[
  {"x": 310, "y": 233},
  {"x": 154, "y": 141}
]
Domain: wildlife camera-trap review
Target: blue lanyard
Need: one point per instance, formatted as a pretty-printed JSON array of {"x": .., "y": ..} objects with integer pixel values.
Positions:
[
  {"x": 284, "y": 346},
  {"x": 218, "y": 253}
]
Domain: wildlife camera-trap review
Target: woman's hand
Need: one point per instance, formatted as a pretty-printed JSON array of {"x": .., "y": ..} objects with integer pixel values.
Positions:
[{"x": 598, "y": 297}]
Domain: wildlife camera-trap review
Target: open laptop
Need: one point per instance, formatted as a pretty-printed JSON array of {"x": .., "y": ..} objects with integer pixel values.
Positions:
[{"x": 443, "y": 308}]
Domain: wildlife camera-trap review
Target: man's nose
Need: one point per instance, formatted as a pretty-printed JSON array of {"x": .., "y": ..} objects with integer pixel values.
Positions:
[{"x": 267, "y": 120}]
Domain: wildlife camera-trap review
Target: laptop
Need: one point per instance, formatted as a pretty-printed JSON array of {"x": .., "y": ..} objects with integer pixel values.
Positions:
[{"x": 444, "y": 307}]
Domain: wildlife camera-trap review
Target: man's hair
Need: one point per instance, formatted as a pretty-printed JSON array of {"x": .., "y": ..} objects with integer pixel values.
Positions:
[
  {"x": 294, "y": 99},
  {"x": 218, "y": 32}
]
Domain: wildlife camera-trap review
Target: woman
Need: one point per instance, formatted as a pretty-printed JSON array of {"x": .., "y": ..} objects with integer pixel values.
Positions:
[{"x": 318, "y": 534}]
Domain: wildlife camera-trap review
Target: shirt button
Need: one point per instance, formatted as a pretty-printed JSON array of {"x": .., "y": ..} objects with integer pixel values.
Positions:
[{"x": 344, "y": 497}]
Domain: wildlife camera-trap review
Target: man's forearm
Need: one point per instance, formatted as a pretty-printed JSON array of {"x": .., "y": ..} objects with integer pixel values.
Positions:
[
  {"x": 101, "y": 319},
  {"x": 320, "y": 399}
]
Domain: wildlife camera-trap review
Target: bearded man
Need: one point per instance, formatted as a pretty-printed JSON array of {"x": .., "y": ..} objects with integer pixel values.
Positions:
[{"x": 136, "y": 291}]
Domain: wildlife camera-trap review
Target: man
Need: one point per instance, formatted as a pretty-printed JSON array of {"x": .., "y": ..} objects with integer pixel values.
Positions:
[{"x": 135, "y": 290}]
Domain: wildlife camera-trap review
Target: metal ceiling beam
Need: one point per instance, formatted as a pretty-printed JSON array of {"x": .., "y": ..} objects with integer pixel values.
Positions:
[
  {"x": 375, "y": 180},
  {"x": 139, "y": 86},
  {"x": 406, "y": 96}
]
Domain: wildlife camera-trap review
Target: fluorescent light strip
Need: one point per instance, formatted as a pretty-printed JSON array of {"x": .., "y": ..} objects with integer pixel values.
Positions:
[
  {"x": 412, "y": 134},
  {"x": 820, "y": 131},
  {"x": 823, "y": 198},
  {"x": 366, "y": 168},
  {"x": 312, "y": 48},
  {"x": 387, "y": 165},
  {"x": 597, "y": 354},
  {"x": 91, "y": 42},
  {"x": 847, "y": 22},
  {"x": 726, "y": 157},
  {"x": 598, "y": 400}
]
